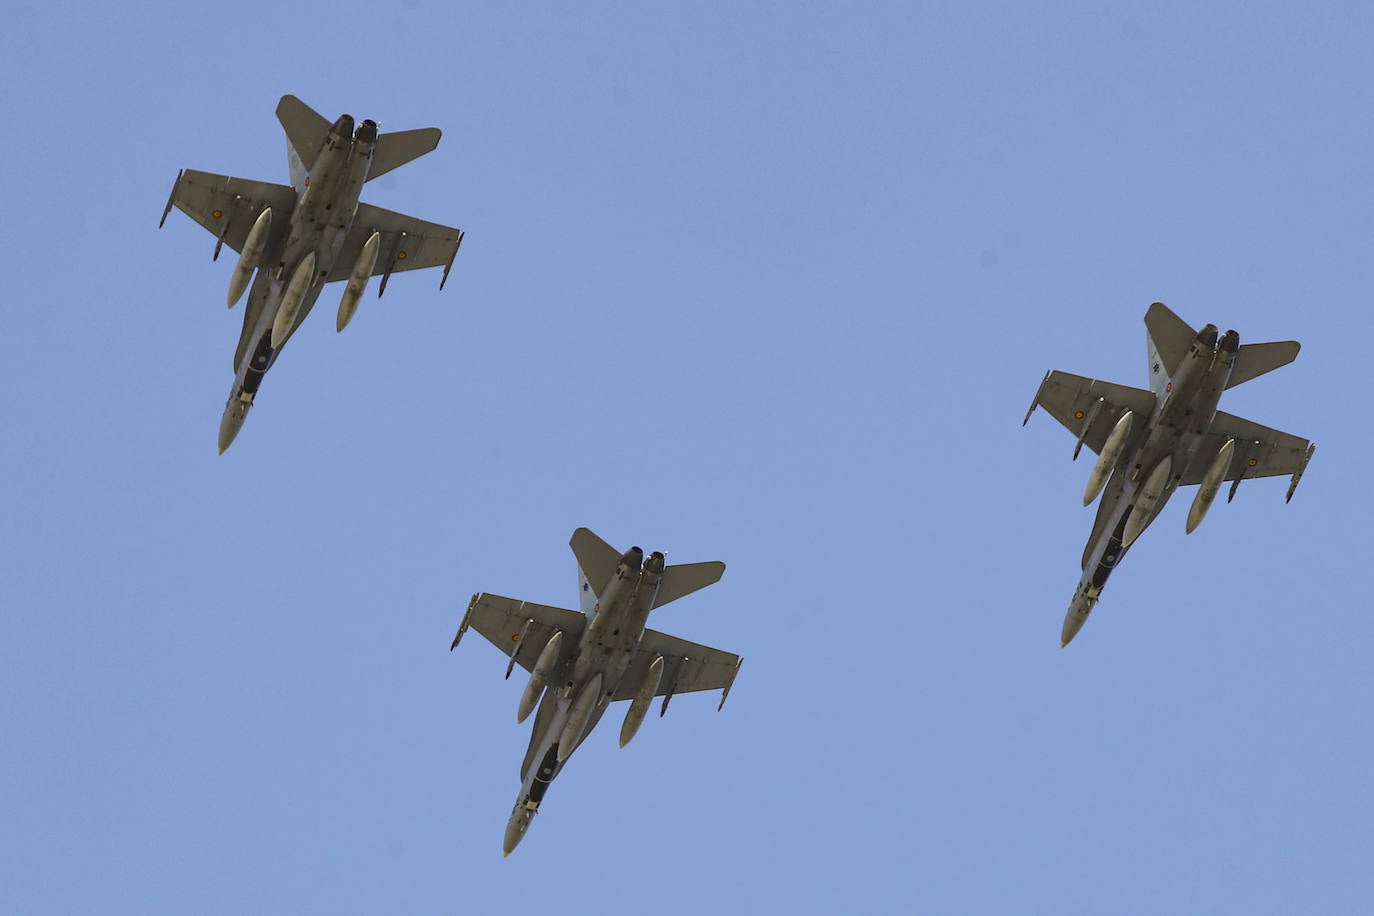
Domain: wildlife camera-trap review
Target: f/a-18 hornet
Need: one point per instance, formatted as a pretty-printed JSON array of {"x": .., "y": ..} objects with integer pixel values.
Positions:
[
  {"x": 299, "y": 237},
  {"x": 581, "y": 663},
  {"x": 1149, "y": 443}
]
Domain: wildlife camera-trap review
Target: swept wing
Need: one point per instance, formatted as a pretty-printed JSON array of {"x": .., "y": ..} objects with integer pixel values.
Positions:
[
  {"x": 227, "y": 207},
  {"x": 1089, "y": 408},
  {"x": 687, "y": 666},
  {"x": 1260, "y": 451},
  {"x": 407, "y": 243},
  {"x": 521, "y": 627}
]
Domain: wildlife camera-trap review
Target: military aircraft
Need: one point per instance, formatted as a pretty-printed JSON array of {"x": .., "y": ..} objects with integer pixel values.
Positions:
[
  {"x": 1149, "y": 443},
  {"x": 299, "y": 237},
  {"x": 582, "y": 662}
]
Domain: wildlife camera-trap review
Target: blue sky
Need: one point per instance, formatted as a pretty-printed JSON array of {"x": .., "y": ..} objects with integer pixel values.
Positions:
[{"x": 765, "y": 283}]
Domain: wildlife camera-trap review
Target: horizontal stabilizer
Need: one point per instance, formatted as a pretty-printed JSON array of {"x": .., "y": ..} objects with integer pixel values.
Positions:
[
  {"x": 399, "y": 147},
  {"x": 1253, "y": 360},
  {"x": 685, "y": 578}
]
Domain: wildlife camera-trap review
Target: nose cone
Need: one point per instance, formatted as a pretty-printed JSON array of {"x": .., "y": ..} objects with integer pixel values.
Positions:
[
  {"x": 235, "y": 412},
  {"x": 515, "y": 829},
  {"x": 1078, "y": 613}
]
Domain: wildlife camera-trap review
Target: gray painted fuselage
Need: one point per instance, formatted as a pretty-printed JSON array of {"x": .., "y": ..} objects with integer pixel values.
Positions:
[
  {"x": 616, "y": 621},
  {"x": 1175, "y": 431},
  {"x": 326, "y": 202}
]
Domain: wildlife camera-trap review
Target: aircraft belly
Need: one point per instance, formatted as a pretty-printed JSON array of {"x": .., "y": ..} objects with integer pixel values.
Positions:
[
  {"x": 1110, "y": 510},
  {"x": 543, "y": 728}
]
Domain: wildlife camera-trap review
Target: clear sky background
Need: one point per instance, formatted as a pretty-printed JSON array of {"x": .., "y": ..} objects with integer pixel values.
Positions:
[{"x": 765, "y": 283}]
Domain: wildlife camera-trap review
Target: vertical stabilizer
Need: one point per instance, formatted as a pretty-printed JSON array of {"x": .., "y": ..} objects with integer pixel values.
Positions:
[
  {"x": 596, "y": 564},
  {"x": 1169, "y": 338},
  {"x": 306, "y": 131}
]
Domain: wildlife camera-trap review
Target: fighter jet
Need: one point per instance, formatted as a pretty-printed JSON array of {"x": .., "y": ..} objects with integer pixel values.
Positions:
[
  {"x": 299, "y": 237},
  {"x": 1149, "y": 443},
  {"x": 580, "y": 663}
]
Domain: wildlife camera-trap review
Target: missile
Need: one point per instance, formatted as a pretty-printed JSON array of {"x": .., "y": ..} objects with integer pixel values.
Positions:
[
  {"x": 581, "y": 713},
  {"x": 357, "y": 280},
  {"x": 248, "y": 259},
  {"x": 291, "y": 299},
  {"x": 1297, "y": 476},
  {"x": 1111, "y": 451},
  {"x": 539, "y": 676},
  {"x": 1211, "y": 483},
  {"x": 1147, "y": 500},
  {"x": 639, "y": 706}
]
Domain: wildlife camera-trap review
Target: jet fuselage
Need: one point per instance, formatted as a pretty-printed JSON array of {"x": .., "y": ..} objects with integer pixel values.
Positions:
[
  {"x": 1151, "y": 466},
  {"x": 326, "y": 202},
  {"x": 615, "y": 627}
]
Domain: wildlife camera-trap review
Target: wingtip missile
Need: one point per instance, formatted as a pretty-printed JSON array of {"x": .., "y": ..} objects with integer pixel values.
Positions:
[
  {"x": 449, "y": 265},
  {"x": 725, "y": 692},
  {"x": 1035, "y": 401},
  {"x": 463, "y": 627},
  {"x": 1297, "y": 476},
  {"x": 171, "y": 198}
]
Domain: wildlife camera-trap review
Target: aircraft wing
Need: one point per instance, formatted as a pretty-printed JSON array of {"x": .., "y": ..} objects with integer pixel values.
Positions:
[
  {"x": 1260, "y": 451},
  {"x": 1074, "y": 401},
  {"x": 227, "y": 207},
  {"x": 687, "y": 666},
  {"x": 521, "y": 627},
  {"x": 407, "y": 244}
]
